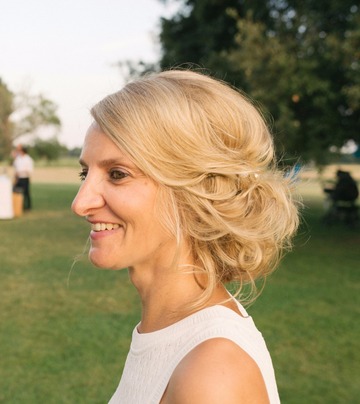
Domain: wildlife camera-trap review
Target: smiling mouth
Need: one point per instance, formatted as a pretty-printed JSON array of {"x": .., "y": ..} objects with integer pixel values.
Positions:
[{"x": 104, "y": 226}]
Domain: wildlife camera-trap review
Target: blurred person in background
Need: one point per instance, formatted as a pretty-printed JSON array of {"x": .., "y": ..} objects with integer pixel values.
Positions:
[
  {"x": 345, "y": 188},
  {"x": 23, "y": 167},
  {"x": 180, "y": 186},
  {"x": 340, "y": 202}
]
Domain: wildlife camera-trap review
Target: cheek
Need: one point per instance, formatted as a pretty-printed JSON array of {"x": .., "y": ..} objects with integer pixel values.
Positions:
[
  {"x": 167, "y": 213},
  {"x": 134, "y": 208}
]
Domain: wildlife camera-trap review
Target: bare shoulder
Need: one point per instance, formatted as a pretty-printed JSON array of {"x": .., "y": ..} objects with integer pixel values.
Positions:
[{"x": 216, "y": 371}]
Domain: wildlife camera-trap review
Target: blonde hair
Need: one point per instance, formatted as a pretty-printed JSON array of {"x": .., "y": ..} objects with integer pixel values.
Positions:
[{"x": 211, "y": 152}]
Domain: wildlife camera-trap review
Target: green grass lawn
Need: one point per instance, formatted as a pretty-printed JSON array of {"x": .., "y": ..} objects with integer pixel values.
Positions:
[{"x": 65, "y": 329}]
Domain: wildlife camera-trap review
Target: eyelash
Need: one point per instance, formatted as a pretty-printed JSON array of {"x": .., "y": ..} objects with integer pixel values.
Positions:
[{"x": 83, "y": 174}]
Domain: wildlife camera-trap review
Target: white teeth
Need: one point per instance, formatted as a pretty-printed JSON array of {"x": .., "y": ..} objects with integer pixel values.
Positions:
[{"x": 104, "y": 226}]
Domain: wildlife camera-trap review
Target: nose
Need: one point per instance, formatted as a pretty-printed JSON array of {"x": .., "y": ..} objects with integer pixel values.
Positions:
[{"x": 88, "y": 199}]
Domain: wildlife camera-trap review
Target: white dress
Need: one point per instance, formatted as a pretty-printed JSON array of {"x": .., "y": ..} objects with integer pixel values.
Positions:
[{"x": 154, "y": 356}]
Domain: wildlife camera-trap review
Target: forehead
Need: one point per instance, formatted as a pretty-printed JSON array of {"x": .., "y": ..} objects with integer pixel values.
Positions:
[{"x": 98, "y": 146}]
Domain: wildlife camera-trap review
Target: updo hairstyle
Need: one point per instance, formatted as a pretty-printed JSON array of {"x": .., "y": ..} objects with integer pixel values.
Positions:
[{"x": 211, "y": 152}]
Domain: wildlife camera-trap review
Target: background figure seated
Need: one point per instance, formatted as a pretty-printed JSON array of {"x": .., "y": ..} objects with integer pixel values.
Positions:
[{"x": 341, "y": 199}]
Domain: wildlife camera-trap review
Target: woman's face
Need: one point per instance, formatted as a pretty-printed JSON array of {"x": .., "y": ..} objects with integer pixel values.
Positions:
[{"x": 118, "y": 201}]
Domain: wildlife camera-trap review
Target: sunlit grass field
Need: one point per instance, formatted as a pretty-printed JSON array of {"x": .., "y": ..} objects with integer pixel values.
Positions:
[{"x": 65, "y": 328}]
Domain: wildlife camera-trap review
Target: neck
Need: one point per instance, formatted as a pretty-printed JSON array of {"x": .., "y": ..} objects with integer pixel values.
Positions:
[
  {"x": 166, "y": 294},
  {"x": 163, "y": 296}
]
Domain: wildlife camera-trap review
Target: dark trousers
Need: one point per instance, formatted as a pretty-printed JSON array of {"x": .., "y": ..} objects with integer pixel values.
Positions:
[{"x": 24, "y": 185}]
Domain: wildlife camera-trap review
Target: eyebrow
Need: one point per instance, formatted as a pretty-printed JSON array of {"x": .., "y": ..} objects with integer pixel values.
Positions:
[{"x": 105, "y": 163}]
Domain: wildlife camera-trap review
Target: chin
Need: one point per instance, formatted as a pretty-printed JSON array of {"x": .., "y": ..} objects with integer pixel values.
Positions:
[
  {"x": 99, "y": 261},
  {"x": 102, "y": 262}
]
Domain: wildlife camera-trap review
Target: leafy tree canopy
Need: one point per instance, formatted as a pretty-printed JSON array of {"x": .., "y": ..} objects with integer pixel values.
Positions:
[
  {"x": 23, "y": 114},
  {"x": 299, "y": 60},
  {"x": 6, "y": 109},
  {"x": 49, "y": 150}
]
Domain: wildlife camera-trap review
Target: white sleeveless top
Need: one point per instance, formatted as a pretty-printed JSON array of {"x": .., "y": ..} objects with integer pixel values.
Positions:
[{"x": 154, "y": 356}]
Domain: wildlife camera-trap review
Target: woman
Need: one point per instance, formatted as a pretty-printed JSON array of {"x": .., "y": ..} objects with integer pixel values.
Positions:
[{"x": 179, "y": 186}]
